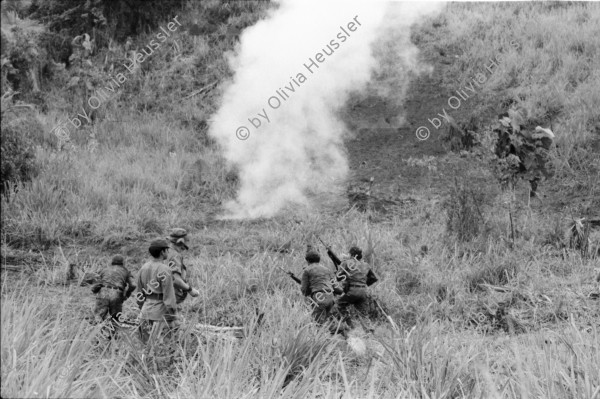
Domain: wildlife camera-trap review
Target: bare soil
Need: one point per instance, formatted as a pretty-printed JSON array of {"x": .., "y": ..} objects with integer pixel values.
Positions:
[{"x": 382, "y": 149}]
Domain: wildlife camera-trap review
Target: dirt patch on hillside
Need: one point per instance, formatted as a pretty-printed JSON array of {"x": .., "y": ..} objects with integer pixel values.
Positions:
[{"x": 385, "y": 137}]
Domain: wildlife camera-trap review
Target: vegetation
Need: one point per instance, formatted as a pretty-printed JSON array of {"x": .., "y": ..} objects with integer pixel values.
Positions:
[
  {"x": 18, "y": 154},
  {"x": 486, "y": 307},
  {"x": 549, "y": 72}
]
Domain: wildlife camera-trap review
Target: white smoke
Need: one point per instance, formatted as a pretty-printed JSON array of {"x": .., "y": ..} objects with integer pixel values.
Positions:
[{"x": 277, "y": 123}]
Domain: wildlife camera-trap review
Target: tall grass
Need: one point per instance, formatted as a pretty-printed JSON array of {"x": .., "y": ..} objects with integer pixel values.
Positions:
[
  {"x": 478, "y": 318},
  {"x": 46, "y": 352},
  {"x": 552, "y": 73}
]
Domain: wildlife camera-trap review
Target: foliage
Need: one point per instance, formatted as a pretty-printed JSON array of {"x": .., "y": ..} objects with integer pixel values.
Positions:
[
  {"x": 107, "y": 19},
  {"x": 463, "y": 208},
  {"x": 22, "y": 56},
  {"x": 145, "y": 178},
  {"x": 416, "y": 356},
  {"x": 552, "y": 73},
  {"x": 18, "y": 153}
]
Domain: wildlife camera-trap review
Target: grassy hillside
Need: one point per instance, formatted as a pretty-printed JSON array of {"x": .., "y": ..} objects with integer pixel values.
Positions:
[
  {"x": 488, "y": 315},
  {"x": 550, "y": 73}
]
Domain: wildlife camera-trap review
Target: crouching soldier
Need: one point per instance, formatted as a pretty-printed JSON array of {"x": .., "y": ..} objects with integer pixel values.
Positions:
[
  {"x": 156, "y": 293},
  {"x": 319, "y": 284},
  {"x": 178, "y": 240},
  {"x": 115, "y": 286},
  {"x": 356, "y": 276}
]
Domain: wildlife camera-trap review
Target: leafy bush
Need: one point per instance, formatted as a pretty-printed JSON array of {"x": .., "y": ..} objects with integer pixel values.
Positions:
[
  {"x": 18, "y": 156},
  {"x": 22, "y": 57},
  {"x": 111, "y": 19}
]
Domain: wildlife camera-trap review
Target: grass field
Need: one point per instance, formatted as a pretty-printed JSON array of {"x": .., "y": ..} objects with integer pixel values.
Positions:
[{"x": 491, "y": 316}]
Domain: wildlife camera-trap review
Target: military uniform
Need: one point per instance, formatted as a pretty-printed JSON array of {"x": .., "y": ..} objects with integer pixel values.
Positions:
[
  {"x": 175, "y": 261},
  {"x": 356, "y": 276},
  {"x": 318, "y": 283},
  {"x": 155, "y": 290},
  {"x": 115, "y": 286},
  {"x": 176, "y": 265}
]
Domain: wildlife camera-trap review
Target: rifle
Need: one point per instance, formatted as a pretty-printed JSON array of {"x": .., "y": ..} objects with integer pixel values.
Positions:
[
  {"x": 330, "y": 253},
  {"x": 296, "y": 279}
]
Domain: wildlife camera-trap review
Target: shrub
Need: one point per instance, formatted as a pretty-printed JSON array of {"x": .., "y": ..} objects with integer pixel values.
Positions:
[{"x": 18, "y": 156}]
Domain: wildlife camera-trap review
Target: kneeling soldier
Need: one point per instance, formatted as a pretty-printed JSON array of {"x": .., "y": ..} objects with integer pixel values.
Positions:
[
  {"x": 115, "y": 286},
  {"x": 318, "y": 283},
  {"x": 357, "y": 276}
]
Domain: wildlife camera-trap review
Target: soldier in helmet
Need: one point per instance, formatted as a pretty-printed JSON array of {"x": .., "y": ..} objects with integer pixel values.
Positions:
[
  {"x": 115, "y": 286},
  {"x": 178, "y": 245},
  {"x": 356, "y": 276},
  {"x": 318, "y": 283}
]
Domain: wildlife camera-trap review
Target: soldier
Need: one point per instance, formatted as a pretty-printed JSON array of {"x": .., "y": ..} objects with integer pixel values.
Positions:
[
  {"x": 177, "y": 238},
  {"x": 318, "y": 283},
  {"x": 356, "y": 276},
  {"x": 115, "y": 286},
  {"x": 156, "y": 293}
]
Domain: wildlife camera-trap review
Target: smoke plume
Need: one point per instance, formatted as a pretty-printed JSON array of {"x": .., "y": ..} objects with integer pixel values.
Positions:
[{"x": 278, "y": 121}]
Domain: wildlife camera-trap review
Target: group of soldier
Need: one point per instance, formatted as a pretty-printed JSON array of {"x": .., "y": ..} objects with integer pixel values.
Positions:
[
  {"x": 162, "y": 285},
  {"x": 348, "y": 282}
]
